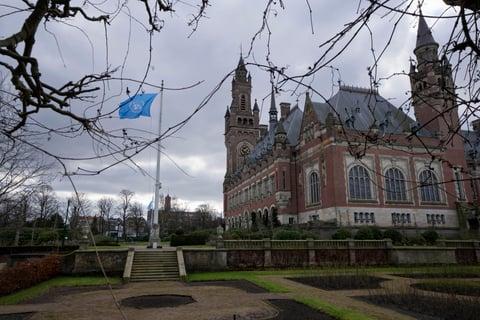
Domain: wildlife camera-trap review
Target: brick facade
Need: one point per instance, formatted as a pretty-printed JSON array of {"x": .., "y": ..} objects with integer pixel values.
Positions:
[{"x": 333, "y": 162}]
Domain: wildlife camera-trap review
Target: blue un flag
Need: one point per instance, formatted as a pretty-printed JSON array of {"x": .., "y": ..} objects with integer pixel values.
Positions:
[{"x": 136, "y": 106}]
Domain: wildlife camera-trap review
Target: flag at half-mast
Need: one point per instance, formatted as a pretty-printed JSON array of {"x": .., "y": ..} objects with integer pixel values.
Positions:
[{"x": 136, "y": 106}]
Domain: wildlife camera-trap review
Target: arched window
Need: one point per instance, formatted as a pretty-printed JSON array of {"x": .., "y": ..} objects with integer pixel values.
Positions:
[
  {"x": 395, "y": 185},
  {"x": 429, "y": 190},
  {"x": 243, "y": 102},
  {"x": 314, "y": 188},
  {"x": 359, "y": 183}
]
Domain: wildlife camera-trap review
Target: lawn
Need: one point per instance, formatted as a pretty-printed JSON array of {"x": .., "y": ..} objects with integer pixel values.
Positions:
[{"x": 43, "y": 287}]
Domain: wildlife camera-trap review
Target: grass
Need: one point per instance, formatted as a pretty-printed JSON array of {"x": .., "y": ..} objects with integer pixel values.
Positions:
[
  {"x": 332, "y": 310},
  {"x": 43, "y": 287}
]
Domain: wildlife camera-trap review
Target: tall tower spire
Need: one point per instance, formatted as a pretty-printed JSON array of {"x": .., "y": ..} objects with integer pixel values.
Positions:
[
  {"x": 273, "y": 108},
  {"x": 424, "y": 34},
  {"x": 426, "y": 48}
]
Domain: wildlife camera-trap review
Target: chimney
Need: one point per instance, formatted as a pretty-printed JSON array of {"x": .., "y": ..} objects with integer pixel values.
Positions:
[
  {"x": 476, "y": 125},
  {"x": 168, "y": 204},
  {"x": 284, "y": 110}
]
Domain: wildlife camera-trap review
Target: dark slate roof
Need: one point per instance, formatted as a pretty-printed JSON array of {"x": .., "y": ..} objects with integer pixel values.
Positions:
[
  {"x": 292, "y": 125},
  {"x": 424, "y": 34},
  {"x": 472, "y": 144},
  {"x": 359, "y": 109}
]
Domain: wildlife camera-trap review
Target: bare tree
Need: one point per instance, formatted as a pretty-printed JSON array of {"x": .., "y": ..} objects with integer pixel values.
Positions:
[
  {"x": 105, "y": 206},
  {"x": 135, "y": 217},
  {"x": 80, "y": 207},
  {"x": 125, "y": 203}
]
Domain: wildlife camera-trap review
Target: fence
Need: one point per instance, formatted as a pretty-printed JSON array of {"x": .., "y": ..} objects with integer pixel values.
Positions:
[{"x": 302, "y": 244}]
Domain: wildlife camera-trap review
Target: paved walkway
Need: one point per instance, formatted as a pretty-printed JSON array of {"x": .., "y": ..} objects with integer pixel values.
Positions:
[
  {"x": 343, "y": 298},
  {"x": 212, "y": 302}
]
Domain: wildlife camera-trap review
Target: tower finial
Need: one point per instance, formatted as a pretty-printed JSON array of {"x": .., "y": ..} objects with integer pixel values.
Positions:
[{"x": 273, "y": 108}]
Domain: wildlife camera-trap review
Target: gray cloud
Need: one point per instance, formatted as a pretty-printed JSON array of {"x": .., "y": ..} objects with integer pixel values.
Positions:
[{"x": 207, "y": 55}]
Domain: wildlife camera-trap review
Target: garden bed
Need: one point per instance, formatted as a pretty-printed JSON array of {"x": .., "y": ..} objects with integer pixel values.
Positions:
[
  {"x": 243, "y": 285},
  {"x": 156, "y": 301},
  {"x": 17, "y": 316},
  {"x": 428, "y": 306},
  {"x": 293, "y": 310},
  {"x": 466, "y": 288},
  {"x": 438, "y": 275},
  {"x": 341, "y": 282}
]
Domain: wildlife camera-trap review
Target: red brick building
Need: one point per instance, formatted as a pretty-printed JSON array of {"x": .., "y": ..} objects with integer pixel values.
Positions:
[{"x": 354, "y": 160}]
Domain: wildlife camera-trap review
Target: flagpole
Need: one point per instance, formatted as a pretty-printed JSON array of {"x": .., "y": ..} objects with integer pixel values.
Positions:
[{"x": 155, "y": 230}]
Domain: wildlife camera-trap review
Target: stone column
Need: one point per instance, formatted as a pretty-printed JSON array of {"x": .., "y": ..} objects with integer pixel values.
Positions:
[
  {"x": 311, "y": 253},
  {"x": 351, "y": 251},
  {"x": 267, "y": 246},
  {"x": 476, "y": 245}
]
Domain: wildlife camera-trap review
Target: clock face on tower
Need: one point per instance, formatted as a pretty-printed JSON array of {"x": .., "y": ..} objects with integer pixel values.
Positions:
[{"x": 244, "y": 151}]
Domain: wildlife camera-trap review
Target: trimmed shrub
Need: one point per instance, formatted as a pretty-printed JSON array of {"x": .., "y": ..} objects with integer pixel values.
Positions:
[
  {"x": 394, "y": 235},
  {"x": 105, "y": 241},
  {"x": 47, "y": 236},
  {"x": 287, "y": 235},
  {"x": 192, "y": 239},
  {"x": 369, "y": 233},
  {"x": 430, "y": 236},
  {"x": 416, "y": 241},
  {"x": 342, "y": 234},
  {"x": 28, "y": 273}
]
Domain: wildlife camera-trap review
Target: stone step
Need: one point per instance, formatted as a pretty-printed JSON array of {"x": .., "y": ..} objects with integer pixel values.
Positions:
[
  {"x": 155, "y": 270},
  {"x": 154, "y": 260},
  {"x": 154, "y": 274},
  {"x": 154, "y": 279},
  {"x": 163, "y": 263}
]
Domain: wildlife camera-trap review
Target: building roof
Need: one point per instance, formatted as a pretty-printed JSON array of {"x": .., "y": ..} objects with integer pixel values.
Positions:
[
  {"x": 291, "y": 126},
  {"x": 362, "y": 109},
  {"x": 424, "y": 34}
]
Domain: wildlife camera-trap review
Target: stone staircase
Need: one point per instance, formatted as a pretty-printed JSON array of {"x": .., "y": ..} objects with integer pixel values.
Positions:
[{"x": 155, "y": 265}]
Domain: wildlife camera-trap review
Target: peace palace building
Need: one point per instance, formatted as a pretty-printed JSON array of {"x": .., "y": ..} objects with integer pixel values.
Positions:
[{"x": 356, "y": 159}]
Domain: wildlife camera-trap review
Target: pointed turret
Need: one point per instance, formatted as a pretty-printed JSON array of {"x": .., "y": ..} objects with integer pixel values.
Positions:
[
  {"x": 227, "y": 113},
  {"x": 426, "y": 49},
  {"x": 255, "y": 107},
  {"x": 424, "y": 34},
  {"x": 241, "y": 71},
  {"x": 273, "y": 108}
]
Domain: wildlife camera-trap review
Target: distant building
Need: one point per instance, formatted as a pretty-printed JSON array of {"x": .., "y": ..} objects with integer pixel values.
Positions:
[{"x": 313, "y": 165}]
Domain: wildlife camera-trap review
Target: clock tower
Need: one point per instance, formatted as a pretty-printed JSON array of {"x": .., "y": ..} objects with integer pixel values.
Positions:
[{"x": 241, "y": 121}]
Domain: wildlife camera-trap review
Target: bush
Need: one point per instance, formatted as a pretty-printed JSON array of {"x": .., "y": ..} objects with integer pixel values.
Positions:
[
  {"x": 287, "y": 235},
  {"x": 369, "y": 233},
  {"x": 47, "y": 236},
  {"x": 105, "y": 241},
  {"x": 342, "y": 234},
  {"x": 193, "y": 239},
  {"x": 394, "y": 235},
  {"x": 416, "y": 241},
  {"x": 28, "y": 273},
  {"x": 430, "y": 236}
]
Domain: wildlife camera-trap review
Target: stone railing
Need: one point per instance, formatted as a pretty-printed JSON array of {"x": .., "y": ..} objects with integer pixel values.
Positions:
[
  {"x": 458, "y": 243},
  {"x": 302, "y": 244}
]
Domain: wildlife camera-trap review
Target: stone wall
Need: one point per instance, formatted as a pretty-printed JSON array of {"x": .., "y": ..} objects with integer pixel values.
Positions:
[
  {"x": 85, "y": 262},
  {"x": 258, "y": 254}
]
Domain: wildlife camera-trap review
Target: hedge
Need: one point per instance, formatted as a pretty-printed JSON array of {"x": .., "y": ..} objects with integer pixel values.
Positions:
[
  {"x": 28, "y": 273},
  {"x": 191, "y": 239}
]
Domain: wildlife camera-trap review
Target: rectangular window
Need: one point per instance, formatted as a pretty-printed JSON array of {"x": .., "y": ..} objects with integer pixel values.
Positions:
[
  {"x": 291, "y": 220},
  {"x": 284, "y": 180},
  {"x": 355, "y": 215},
  {"x": 372, "y": 217},
  {"x": 458, "y": 184},
  {"x": 429, "y": 219}
]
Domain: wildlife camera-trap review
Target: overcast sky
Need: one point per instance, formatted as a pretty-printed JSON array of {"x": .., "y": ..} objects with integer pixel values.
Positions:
[{"x": 208, "y": 55}]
